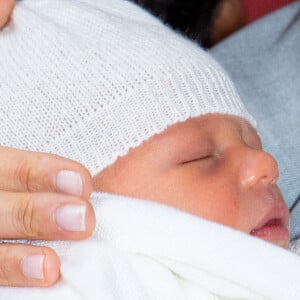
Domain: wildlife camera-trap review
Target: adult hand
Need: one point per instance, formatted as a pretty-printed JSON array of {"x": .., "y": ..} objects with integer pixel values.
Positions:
[
  {"x": 6, "y": 8},
  {"x": 42, "y": 196}
]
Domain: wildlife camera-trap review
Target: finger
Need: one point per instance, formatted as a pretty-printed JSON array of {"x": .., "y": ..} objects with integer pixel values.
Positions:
[
  {"x": 25, "y": 171},
  {"x": 45, "y": 216},
  {"x": 26, "y": 265},
  {"x": 6, "y": 8}
]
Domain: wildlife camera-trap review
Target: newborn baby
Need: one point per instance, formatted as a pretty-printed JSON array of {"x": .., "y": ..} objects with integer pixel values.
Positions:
[
  {"x": 152, "y": 116},
  {"x": 212, "y": 166},
  {"x": 147, "y": 92}
]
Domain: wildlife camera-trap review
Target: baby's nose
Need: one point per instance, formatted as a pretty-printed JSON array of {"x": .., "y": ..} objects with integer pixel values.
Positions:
[{"x": 257, "y": 167}]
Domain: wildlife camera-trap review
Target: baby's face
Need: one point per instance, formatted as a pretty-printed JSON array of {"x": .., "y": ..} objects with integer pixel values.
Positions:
[{"x": 211, "y": 166}]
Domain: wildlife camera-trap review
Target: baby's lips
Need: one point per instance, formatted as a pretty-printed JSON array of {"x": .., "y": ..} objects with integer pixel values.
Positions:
[{"x": 273, "y": 226}]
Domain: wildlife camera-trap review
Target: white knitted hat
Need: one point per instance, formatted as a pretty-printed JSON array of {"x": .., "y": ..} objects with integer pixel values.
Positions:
[{"x": 91, "y": 79}]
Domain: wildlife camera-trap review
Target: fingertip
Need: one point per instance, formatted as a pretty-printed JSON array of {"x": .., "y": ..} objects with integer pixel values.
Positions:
[
  {"x": 51, "y": 267},
  {"x": 90, "y": 220},
  {"x": 87, "y": 180},
  {"x": 75, "y": 183},
  {"x": 28, "y": 266},
  {"x": 76, "y": 221},
  {"x": 72, "y": 178},
  {"x": 6, "y": 8},
  {"x": 41, "y": 268}
]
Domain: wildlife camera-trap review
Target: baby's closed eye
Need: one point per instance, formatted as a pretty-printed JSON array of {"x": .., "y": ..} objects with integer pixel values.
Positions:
[{"x": 198, "y": 156}]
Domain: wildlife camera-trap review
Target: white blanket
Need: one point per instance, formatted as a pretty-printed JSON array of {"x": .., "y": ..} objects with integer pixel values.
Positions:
[{"x": 144, "y": 250}]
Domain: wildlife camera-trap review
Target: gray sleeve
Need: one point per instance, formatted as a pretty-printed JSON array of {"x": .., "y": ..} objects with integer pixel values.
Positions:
[{"x": 263, "y": 59}]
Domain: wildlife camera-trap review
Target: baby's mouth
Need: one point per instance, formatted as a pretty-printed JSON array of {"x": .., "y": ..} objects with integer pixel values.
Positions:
[
  {"x": 268, "y": 228},
  {"x": 273, "y": 227}
]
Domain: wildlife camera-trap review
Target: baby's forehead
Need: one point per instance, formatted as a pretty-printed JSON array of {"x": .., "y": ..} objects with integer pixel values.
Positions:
[
  {"x": 204, "y": 132},
  {"x": 207, "y": 125}
]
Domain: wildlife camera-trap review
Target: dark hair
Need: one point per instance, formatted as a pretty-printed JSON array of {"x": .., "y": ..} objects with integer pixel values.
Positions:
[{"x": 192, "y": 17}]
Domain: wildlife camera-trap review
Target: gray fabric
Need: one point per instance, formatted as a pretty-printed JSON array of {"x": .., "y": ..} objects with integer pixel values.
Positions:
[
  {"x": 263, "y": 60},
  {"x": 295, "y": 222}
]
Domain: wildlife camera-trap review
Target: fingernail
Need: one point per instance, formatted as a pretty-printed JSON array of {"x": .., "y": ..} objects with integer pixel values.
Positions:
[
  {"x": 69, "y": 182},
  {"x": 71, "y": 217},
  {"x": 32, "y": 266}
]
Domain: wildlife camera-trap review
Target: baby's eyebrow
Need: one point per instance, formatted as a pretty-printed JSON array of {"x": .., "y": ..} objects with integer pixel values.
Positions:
[{"x": 194, "y": 147}]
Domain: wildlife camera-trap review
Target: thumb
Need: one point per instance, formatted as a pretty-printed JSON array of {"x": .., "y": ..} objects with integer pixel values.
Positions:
[{"x": 6, "y": 8}]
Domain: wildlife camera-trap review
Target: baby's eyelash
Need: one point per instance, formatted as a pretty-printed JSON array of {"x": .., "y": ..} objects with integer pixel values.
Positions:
[{"x": 198, "y": 159}]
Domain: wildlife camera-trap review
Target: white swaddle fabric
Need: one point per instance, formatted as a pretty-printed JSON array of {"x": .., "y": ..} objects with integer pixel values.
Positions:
[
  {"x": 106, "y": 76},
  {"x": 145, "y": 250}
]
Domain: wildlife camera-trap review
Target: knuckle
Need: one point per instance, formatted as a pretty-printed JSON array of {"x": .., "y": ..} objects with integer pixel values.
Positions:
[
  {"x": 21, "y": 176},
  {"x": 5, "y": 266},
  {"x": 24, "y": 218},
  {"x": 26, "y": 176}
]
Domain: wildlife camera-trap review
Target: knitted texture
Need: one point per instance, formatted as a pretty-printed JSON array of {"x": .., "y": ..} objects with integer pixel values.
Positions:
[{"x": 91, "y": 79}]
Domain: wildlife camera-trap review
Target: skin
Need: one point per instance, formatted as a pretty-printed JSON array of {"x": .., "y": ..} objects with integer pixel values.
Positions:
[
  {"x": 211, "y": 166},
  {"x": 229, "y": 18},
  {"x": 6, "y": 8},
  {"x": 29, "y": 200}
]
